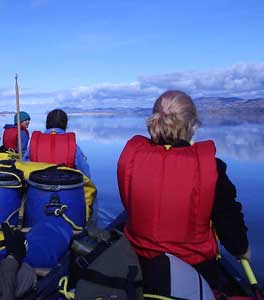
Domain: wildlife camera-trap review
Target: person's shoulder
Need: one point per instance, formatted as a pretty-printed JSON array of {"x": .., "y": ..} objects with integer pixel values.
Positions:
[
  {"x": 221, "y": 165},
  {"x": 138, "y": 140},
  {"x": 206, "y": 146},
  {"x": 7, "y": 126},
  {"x": 206, "y": 142}
]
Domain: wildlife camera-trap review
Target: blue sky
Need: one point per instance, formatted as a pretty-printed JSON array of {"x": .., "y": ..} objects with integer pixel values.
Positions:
[{"x": 102, "y": 53}]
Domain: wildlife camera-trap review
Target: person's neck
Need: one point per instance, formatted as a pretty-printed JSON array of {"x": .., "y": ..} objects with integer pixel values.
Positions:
[{"x": 174, "y": 143}]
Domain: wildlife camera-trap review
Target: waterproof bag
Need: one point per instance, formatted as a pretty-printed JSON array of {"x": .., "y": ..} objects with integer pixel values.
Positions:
[
  {"x": 104, "y": 266},
  {"x": 54, "y": 189},
  {"x": 48, "y": 241},
  {"x": 10, "y": 192}
]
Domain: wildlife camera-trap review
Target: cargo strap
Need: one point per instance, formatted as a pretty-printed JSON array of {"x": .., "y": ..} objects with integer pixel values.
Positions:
[
  {"x": 63, "y": 285},
  {"x": 128, "y": 284}
]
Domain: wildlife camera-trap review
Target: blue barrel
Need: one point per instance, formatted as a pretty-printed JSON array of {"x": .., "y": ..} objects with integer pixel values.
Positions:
[
  {"x": 51, "y": 189},
  {"x": 10, "y": 194}
]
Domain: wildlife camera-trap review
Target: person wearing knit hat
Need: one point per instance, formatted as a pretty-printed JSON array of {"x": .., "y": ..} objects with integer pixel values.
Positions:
[
  {"x": 10, "y": 135},
  {"x": 24, "y": 118}
]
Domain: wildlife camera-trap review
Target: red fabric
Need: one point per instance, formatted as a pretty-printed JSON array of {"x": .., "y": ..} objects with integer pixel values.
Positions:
[
  {"x": 168, "y": 195},
  {"x": 10, "y": 137},
  {"x": 220, "y": 295},
  {"x": 236, "y": 297},
  {"x": 53, "y": 148}
]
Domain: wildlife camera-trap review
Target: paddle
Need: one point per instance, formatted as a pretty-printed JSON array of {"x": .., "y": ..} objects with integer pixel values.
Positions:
[
  {"x": 18, "y": 119},
  {"x": 256, "y": 288}
]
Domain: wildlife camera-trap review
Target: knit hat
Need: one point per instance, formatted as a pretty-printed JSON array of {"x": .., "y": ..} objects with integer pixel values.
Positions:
[{"x": 23, "y": 117}]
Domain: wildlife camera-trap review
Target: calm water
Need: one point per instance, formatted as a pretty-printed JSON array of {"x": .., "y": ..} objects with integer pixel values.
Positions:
[{"x": 242, "y": 147}]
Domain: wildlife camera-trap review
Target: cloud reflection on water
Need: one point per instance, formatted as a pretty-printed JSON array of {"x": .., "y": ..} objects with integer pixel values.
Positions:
[{"x": 242, "y": 142}]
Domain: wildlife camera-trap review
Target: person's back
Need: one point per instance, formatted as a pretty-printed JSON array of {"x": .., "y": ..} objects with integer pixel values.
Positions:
[
  {"x": 53, "y": 146},
  {"x": 172, "y": 190},
  {"x": 56, "y": 145},
  {"x": 10, "y": 134}
]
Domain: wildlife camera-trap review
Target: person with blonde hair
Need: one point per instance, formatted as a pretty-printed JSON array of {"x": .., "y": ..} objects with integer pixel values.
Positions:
[{"x": 177, "y": 194}]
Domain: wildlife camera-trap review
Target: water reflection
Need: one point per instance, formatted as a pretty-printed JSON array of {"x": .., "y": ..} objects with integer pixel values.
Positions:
[{"x": 245, "y": 141}]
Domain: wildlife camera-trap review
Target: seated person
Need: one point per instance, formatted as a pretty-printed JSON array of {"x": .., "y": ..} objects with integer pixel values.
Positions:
[
  {"x": 10, "y": 135},
  {"x": 56, "y": 145},
  {"x": 173, "y": 191}
]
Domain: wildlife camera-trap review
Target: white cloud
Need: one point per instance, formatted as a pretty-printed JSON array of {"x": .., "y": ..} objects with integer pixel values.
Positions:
[
  {"x": 241, "y": 80},
  {"x": 245, "y": 80}
]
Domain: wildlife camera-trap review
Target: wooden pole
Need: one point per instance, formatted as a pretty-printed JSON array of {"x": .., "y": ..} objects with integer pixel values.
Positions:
[{"x": 18, "y": 120}]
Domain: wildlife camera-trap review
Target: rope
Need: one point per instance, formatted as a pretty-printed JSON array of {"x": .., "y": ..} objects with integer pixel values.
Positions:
[
  {"x": 64, "y": 284},
  {"x": 152, "y": 296},
  {"x": 60, "y": 212},
  {"x": 12, "y": 186},
  {"x": 21, "y": 212},
  {"x": 11, "y": 215},
  {"x": 12, "y": 153}
]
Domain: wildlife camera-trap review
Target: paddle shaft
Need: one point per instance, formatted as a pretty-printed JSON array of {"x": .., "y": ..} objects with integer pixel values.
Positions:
[
  {"x": 18, "y": 120},
  {"x": 252, "y": 279}
]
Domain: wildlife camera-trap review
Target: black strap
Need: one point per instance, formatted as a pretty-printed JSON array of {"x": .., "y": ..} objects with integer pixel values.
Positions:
[
  {"x": 200, "y": 285},
  {"x": 128, "y": 284},
  {"x": 131, "y": 276}
]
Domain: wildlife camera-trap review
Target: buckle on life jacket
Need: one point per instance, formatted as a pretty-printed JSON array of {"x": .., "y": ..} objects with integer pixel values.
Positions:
[
  {"x": 167, "y": 147},
  {"x": 53, "y": 131}
]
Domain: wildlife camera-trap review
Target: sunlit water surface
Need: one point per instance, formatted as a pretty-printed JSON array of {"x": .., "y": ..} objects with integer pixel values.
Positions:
[{"x": 102, "y": 138}]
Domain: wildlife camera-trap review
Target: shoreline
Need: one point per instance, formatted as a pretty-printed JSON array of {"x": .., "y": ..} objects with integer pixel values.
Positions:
[{"x": 88, "y": 113}]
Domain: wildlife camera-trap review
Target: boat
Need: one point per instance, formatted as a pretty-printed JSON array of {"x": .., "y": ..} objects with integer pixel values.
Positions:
[
  {"x": 49, "y": 278},
  {"x": 245, "y": 285}
]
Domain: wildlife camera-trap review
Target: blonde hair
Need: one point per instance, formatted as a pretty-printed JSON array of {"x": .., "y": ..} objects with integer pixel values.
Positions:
[{"x": 174, "y": 117}]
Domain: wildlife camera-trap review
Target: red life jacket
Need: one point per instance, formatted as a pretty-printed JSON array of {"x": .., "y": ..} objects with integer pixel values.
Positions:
[
  {"x": 169, "y": 195},
  {"x": 10, "y": 137},
  {"x": 57, "y": 148}
]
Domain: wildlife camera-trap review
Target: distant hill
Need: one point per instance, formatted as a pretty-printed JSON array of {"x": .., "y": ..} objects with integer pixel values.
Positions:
[
  {"x": 230, "y": 110},
  {"x": 212, "y": 110},
  {"x": 5, "y": 112},
  {"x": 213, "y": 102}
]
